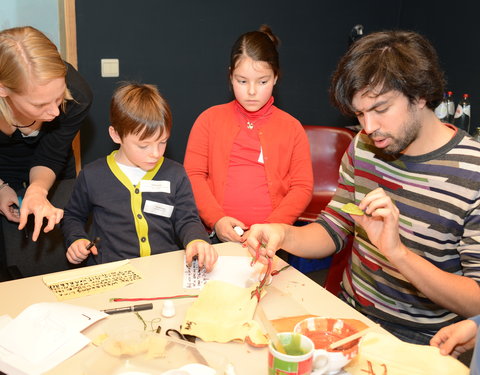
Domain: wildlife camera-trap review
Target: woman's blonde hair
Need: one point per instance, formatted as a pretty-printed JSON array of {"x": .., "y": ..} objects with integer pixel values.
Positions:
[{"x": 26, "y": 53}]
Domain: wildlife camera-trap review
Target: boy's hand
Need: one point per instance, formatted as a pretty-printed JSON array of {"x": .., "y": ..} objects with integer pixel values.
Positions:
[
  {"x": 207, "y": 255},
  {"x": 77, "y": 252}
]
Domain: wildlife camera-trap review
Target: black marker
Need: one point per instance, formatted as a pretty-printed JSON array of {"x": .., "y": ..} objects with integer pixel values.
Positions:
[
  {"x": 92, "y": 243},
  {"x": 145, "y": 306}
]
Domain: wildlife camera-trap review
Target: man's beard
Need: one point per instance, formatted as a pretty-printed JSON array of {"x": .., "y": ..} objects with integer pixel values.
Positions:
[{"x": 410, "y": 129}]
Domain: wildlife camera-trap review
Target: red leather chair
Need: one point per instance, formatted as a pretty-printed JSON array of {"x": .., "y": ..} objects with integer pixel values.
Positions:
[{"x": 327, "y": 146}]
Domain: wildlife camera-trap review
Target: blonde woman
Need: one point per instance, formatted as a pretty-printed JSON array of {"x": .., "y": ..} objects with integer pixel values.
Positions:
[{"x": 43, "y": 101}]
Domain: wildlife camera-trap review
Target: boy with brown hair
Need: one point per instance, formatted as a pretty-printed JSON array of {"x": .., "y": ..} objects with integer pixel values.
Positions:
[{"x": 141, "y": 202}]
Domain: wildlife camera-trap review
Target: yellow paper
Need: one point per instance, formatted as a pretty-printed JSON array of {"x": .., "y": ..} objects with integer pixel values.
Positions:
[
  {"x": 91, "y": 280},
  {"x": 352, "y": 209},
  {"x": 223, "y": 312},
  {"x": 380, "y": 354}
]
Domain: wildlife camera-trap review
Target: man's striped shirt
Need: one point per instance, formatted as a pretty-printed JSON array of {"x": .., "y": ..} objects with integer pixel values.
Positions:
[{"x": 438, "y": 196}]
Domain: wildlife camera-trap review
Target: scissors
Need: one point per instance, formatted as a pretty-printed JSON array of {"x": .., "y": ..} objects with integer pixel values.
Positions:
[
  {"x": 189, "y": 338},
  {"x": 172, "y": 332}
]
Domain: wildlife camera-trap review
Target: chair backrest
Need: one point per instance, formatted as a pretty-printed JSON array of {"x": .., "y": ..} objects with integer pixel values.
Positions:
[{"x": 327, "y": 146}]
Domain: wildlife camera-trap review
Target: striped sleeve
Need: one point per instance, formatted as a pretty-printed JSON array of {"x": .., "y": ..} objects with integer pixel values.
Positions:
[{"x": 438, "y": 196}]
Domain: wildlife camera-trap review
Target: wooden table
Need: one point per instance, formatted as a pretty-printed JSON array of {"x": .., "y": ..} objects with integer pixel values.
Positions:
[{"x": 291, "y": 293}]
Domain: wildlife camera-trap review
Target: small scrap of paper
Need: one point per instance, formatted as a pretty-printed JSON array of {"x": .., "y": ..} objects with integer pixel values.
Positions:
[
  {"x": 194, "y": 277},
  {"x": 231, "y": 269},
  {"x": 91, "y": 280}
]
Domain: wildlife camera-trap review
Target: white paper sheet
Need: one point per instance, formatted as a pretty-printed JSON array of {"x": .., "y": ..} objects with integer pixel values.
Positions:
[
  {"x": 232, "y": 269},
  {"x": 44, "y": 335}
]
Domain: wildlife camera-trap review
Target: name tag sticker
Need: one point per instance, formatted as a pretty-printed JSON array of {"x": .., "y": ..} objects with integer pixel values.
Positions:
[
  {"x": 159, "y": 209},
  {"x": 154, "y": 186}
]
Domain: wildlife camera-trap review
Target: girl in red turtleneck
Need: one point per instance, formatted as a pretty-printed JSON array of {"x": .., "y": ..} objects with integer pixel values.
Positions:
[{"x": 248, "y": 161}]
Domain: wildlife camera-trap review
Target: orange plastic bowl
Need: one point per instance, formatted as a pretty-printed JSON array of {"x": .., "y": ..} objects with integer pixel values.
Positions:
[{"x": 325, "y": 331}]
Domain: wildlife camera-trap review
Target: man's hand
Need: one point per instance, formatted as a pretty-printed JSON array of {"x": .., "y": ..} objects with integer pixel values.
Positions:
[
  {"x": 381, "y": 223},
  {"x": 264, "y": 240}
]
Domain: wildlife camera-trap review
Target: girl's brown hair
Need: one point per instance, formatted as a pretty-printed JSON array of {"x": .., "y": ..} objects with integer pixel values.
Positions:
[{"x": 259, "y": 45}]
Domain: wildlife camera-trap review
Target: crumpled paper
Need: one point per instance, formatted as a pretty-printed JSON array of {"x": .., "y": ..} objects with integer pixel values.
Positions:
[
  {"x": 223, "y": 312},
  {"x": 380, "y": 354}
]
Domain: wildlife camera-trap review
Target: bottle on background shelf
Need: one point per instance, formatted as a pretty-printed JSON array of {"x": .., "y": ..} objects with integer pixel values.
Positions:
[
  {"x": 442, "y": 110},
  {"x": 462, "y": 114},
  {"x": 450, "y": 107},
  {"x": 476, "y": 134}
]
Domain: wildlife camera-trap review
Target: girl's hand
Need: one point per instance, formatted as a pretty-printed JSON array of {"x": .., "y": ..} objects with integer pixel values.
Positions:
[
  {"x": 206, "y": 253},
  {"x": 35, "y": 202},
  {"x": 381, "y": 223},
  {"x": 225, "y": 232},
  {"x": 8, "y": 198},
  {"x": 77, "y": 252},
  {"x": 456, "y": 338},
  {"x": 263, "y": 240}
]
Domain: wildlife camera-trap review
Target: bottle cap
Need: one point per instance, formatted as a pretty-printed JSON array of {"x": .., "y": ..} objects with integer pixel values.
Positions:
[
  {"x": 168, "y": 309},
  {"x": 238, "y": 230}
]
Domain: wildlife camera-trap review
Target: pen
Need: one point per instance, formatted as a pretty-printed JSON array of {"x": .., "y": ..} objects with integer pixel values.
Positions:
[
  {"x": 145, "y": 306},
  {"x": 92, "y": 243},
  {"x": 20, "y": 200}
]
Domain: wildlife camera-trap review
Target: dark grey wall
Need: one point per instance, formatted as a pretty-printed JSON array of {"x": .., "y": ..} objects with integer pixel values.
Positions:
[
  {"x": 454, "y": 30},
  {"x": 183, "y": 46}
]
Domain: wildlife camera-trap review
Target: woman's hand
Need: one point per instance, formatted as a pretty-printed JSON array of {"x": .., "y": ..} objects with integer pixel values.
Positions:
[
  {"x": 225, "y": 232},
  {"x": 35, "y": 202},
  {"x": 456, "y": 338},
  {"x": 77, "y": 252},
  {"x": 8, "y": 198},
  {"x": 206, "y": 253}
]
